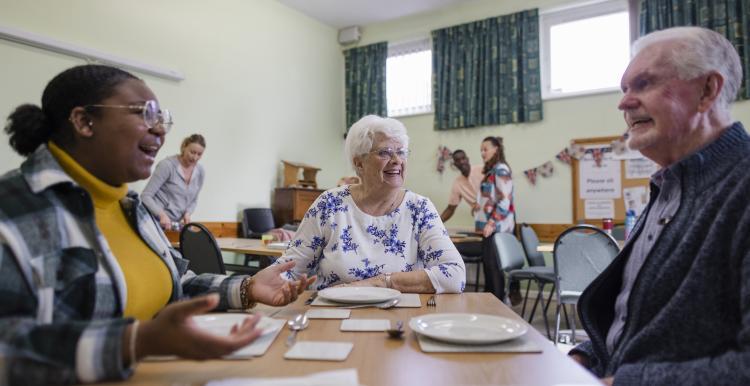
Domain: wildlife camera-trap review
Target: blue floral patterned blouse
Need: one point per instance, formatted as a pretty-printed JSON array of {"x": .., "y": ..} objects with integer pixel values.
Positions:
[{"x": 341, "y": 244}]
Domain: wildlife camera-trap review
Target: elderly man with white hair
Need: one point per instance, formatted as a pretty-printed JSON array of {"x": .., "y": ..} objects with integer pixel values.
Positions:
[
  {"x": 674, "y": 307},
  {"x": 376, "y": 233}
]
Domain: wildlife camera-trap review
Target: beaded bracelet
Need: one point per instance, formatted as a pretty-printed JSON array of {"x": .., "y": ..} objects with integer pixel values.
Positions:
[{"x": 245, "y": 288}]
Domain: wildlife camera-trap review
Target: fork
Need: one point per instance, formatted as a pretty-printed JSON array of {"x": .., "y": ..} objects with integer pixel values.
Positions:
[
  {"x": 311, "y": 299},
  {"x": 431, "y": 301}
]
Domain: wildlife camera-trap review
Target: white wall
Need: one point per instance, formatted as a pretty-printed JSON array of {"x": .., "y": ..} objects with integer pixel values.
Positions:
[
  {"x": 263, "y": 83},
  {"x": 527, "y": 145}
]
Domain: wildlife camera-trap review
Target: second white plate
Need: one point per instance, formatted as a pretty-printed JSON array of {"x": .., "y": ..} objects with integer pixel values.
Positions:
[
  {"x": 359, "y": 295},
  {"x": 467, "y": 328}
]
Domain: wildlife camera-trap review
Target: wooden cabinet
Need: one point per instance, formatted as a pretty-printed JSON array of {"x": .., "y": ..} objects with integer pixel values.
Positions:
[{"x": 291, "y": 204}]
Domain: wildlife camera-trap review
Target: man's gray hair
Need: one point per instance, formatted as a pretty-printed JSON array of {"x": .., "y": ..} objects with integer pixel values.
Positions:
[
  {"x": 360, "y": 136},
  {"x": 697, "y": 52}
]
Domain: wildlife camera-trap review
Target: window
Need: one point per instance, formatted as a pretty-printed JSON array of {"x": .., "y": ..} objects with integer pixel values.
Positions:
[
  {"x": 409, "y": 78},
  {"x": 585, "y": 49}
]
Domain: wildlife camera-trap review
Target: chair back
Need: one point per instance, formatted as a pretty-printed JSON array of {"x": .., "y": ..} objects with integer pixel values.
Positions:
[
  {"x": 256, "y": 221},
  {"x": 199, "y": 246},
  {"x": 530, "y": 242},
  {"x": 509, "y": 251},
  {"x": 581, "y": 253}
]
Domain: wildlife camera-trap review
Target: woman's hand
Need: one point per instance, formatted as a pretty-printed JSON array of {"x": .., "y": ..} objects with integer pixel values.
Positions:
[
  {"x": 164, "y": 221},
  {"x": 173, "y": 332},
  {"x": 489, "y": 229},
  {"x": 271, "y": 289},
  {"x": 185, "y": 219}
]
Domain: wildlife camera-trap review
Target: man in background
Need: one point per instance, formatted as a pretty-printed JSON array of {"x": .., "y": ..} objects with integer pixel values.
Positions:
[
  {"x": 673, "y": 308},
  {"x": 465, "y": 186}
]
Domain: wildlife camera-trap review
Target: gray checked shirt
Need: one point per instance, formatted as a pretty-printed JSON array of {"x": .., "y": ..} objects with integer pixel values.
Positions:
[{"x": 666, "y": 184}]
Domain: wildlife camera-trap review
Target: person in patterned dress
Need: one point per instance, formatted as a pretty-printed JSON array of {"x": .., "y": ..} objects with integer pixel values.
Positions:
[
  {"x": 376, "y": 233},
  {"x": 496, "y": 214}
]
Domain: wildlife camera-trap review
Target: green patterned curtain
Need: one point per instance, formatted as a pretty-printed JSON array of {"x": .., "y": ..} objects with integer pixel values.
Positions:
[
  {"x": 487, "y": 72},
  {"x": 730, "y": 18},
  {"x": 365, "y": 81}
]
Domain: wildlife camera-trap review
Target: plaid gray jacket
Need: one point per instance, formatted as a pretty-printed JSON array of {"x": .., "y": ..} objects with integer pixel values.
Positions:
[{"x": 62, "y": 292}]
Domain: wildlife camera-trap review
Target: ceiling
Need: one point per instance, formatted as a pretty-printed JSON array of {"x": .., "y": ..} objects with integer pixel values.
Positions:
[{"x": 346, "y": 13}]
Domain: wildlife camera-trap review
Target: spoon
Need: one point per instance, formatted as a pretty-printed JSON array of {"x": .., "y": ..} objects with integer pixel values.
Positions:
[
  {"x": 382, "y": 306},
  {"x": 300, "y": 322},
  {"x": 396, "y": 332}
]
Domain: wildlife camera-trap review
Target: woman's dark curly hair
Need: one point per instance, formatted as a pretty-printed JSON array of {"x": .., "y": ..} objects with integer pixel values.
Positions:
[{"x": 30, "y": 125}]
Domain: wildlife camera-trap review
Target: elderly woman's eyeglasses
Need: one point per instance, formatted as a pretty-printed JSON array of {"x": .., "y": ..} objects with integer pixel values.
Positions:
[
  {"x": 387, "y": 153},
  {"x": 152, "y": 115}
]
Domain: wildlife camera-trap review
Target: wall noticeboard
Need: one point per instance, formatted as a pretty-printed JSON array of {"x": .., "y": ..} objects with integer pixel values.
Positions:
[{"x": 606, "y": 190}]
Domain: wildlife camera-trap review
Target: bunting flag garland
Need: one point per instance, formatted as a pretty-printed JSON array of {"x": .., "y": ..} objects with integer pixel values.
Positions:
[
  {"x": 531, "y": 175},
  {"x": 598, "y": 155},
  {"x": 564, "y": 156},
  {"x": 546, "y": 169},
  {"x": 576, "y": 151},
  {"x": 444, "y": 154}
]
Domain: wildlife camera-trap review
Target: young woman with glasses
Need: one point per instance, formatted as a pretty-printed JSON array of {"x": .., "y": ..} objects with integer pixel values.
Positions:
[{"x": 88, "y": 282}]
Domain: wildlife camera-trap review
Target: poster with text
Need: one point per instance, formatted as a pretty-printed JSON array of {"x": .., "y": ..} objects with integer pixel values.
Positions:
[
  {"x": 636, "y": 198},
  {"x": 640, "y": 168},
  {"x": 599, "y": 182},
  {"x": 596, "y": 209}
]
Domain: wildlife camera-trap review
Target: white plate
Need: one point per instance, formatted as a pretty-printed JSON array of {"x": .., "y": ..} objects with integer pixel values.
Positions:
[
  {"x": 359, "y": 295},
  {"x": 467, "y": 328},
  {"x": 221, "y": 324}
]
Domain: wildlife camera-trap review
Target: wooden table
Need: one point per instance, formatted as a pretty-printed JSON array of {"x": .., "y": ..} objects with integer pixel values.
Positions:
[
  {"x": 382, "y": 361},
  {"x": 247, "y": 246},
  {"x": 241, "y": 245},
  {"x": 465, "y": 239}
]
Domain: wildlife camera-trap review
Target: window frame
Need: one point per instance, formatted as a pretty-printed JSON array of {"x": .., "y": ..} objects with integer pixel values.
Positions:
[
  {"x": 574, "y": 12},
  {"x": 409, "y": 47}
]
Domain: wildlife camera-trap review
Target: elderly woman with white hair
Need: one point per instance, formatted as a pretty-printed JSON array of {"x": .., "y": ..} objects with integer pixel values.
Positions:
[{"x": 376, "y": 233}]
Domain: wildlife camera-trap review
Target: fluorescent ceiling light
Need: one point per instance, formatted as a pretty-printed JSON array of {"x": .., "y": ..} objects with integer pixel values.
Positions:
[{"x": 87, "y": 54}]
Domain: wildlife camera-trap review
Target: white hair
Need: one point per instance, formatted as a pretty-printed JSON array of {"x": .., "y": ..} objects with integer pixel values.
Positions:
[
  {"x": 698, "y": 51},
  {"x": 360, "y": 136}
]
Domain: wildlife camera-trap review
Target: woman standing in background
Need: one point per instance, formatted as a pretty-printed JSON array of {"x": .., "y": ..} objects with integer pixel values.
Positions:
[
  {"x": 172, "y": 192},
  {"x": 496, "y": 212}
]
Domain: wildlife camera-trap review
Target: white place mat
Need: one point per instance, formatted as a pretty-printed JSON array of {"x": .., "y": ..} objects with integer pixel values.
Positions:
[
  {"x": 258, "y": 347},
  {"x": 320, "y": 351},
  {"x": 365, "y": 325},
  {"x": 328, "y": 313},
  {"x": 404, "y": 301},
  {"x": 346, "y": 377},
  {"x": 522, "y": 344}
]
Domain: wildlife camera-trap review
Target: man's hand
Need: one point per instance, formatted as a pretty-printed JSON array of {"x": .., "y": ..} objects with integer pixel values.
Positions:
[
  {"x": 271, "y": 289},
  {"x": 164, "y": 221},
  {"x": 173, "y": 332},
  {"x": 185, "y": 219}
]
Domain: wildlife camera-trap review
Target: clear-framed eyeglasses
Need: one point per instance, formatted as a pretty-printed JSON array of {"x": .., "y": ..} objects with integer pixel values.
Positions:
[
  {"x": 152, "y": 114},
  {"x": 387, "y": 153}
]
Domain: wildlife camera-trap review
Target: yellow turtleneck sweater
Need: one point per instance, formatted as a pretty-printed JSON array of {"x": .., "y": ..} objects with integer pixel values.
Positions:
[{"x": 147, "y": 277}]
